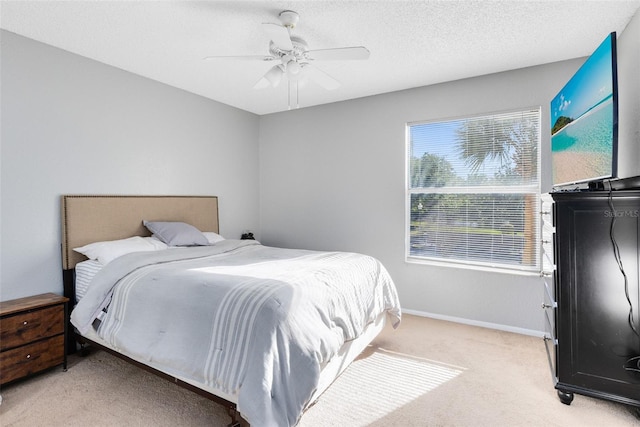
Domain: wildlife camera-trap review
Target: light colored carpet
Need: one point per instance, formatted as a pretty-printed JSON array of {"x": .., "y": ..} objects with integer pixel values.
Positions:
[{"x": 426, "y": 373}]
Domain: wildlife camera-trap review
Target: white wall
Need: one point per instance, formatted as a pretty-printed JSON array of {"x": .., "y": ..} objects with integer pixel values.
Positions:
[{"x": 71, "y": 125}]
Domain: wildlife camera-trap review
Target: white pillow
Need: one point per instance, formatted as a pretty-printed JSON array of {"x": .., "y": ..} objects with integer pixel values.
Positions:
[
  {"x": 212, "y": 237},
  {"x": 157, "y": 243},
  {"x": 107, "y": 251}
]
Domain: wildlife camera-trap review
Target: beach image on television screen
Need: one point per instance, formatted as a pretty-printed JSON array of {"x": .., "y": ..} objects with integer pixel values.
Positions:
[{"x": 583, "y": 120}]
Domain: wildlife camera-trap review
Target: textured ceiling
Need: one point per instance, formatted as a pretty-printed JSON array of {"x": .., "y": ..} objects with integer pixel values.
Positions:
[{"x": 412, "y": 43}]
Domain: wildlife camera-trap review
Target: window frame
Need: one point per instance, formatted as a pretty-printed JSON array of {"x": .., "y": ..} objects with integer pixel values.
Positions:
[{"x": 534, "y": 189}]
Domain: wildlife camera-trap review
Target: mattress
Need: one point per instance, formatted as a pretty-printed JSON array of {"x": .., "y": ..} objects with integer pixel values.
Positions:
[{"x": 85, "y": 271}]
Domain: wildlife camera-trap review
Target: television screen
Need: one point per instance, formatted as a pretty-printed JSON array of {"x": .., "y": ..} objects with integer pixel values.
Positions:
[{"x": 584, "y": 121}]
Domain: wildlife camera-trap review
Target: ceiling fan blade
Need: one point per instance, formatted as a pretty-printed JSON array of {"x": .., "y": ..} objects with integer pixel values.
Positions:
[
  {"x": 271, "y": 78},
  {"x": 340, "y": 54},
  {"x": 320, "y": 77},
  {"x": 279, "y": 35},
  {"x": 241, "y": 57}
]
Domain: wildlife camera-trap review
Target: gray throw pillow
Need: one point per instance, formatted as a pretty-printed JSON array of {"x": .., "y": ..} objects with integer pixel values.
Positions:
[{"x": 176, "y": 233}]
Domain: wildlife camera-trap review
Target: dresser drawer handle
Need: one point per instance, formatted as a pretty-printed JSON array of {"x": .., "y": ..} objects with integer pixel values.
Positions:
[
  {"x": 28, "y": 356},
  {"x": 24, "y": 323}
]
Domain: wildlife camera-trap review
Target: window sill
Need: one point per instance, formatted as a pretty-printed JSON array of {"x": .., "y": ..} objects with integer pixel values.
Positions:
[{"x": 476, "y": 267}]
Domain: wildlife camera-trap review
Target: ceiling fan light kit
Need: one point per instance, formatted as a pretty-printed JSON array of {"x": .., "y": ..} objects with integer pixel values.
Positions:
[{"x": 295, "y": 58}]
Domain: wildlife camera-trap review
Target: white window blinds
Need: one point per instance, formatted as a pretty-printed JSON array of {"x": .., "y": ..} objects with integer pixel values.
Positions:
[{"x": 473, "y": 190}]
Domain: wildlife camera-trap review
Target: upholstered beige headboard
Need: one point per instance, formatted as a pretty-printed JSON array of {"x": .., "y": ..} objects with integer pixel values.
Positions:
[{"x": 94, "y": 218}]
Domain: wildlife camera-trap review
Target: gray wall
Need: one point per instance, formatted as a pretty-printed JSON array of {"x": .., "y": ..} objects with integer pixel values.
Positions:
[
  {"x": 71, "y": 125},
  {"x": 629, "y": 99},
  {"x": 328, "y": 177},
  {"x": 333, "y": 177}
]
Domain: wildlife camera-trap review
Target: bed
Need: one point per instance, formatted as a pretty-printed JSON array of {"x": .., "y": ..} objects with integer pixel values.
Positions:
[{"x": 262, "y": 330}]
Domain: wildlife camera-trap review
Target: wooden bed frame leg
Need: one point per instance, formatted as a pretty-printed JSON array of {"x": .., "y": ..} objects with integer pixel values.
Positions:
[
  {"x": 84, "y": 347},
  {"x": 233, "y": 413}
]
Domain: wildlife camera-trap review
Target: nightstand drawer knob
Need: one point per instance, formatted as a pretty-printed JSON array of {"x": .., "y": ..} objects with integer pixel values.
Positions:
[
  {"x": 28, "y": 356},
  {"x": 24, "y": 323}
]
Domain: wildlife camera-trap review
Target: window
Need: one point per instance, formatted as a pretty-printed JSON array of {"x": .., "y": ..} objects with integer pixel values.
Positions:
[{"x": 473, "y": 190}]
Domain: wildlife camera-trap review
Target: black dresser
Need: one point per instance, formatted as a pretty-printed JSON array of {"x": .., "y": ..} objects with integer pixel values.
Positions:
[{"x": 591, "y": 310}]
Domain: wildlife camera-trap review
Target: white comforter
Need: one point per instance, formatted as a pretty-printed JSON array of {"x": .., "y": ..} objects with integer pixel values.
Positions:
[{"x": 247, "y": 319}]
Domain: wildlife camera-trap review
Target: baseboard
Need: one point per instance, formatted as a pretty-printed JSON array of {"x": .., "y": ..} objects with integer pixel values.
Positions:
[{"x": 522, "y": 331}]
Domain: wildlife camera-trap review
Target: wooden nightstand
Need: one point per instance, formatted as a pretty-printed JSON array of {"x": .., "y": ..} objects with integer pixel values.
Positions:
[{"x": 32, "y": 335}]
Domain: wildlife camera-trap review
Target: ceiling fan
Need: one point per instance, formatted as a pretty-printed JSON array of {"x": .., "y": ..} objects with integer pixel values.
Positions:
[{"x": 292, "y": 57}]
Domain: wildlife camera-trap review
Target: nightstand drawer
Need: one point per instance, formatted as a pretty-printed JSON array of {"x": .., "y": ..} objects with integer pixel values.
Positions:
[
  {"x": 30, "y": 326},
  {"x": 32, "y": 358}
]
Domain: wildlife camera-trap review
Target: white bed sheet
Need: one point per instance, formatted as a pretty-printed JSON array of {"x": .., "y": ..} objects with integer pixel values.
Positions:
[{"x": 330, "y": 372}]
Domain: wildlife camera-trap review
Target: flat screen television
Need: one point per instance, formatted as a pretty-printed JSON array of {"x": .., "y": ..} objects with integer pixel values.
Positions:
[{"x": 584, "y": 121}]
